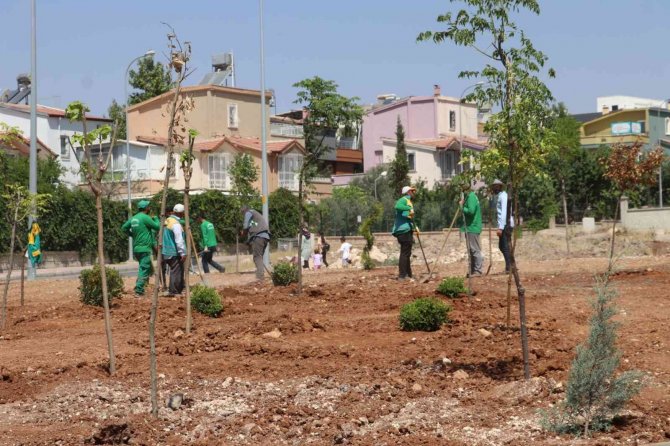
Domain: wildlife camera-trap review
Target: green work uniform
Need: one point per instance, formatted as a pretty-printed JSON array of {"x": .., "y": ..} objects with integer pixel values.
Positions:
[
  {"x": 404, "y": 213},
  {"x": 208, "y": 235},
  {"x": 141, "y": 228},
  {"x": 472, "y": 214}
]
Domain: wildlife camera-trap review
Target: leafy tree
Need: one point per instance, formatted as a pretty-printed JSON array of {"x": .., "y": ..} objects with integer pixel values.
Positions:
[
  {"x": 151, "y": 78},
  {"x": 400, "y": 166},
  {"x": 366, "y": 231},
  {"x": 117, "y": 113},
  {"x": 93, "y": 171},
  {"x": 284, "y": 208},
  {"x": 244, "y": 173},
  {"x": 326, "y": 110},
  {"x": 519, "y": 132}
]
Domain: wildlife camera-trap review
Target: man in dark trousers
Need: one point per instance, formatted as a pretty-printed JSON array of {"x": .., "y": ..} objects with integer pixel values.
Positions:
[
  {"x": 209, "y": 245},
  {"x": 504, "y": 225},
  {"x": 257, "y": 231},
  {"x": 174, "y": 250},
  {"x": 141, "y": 228},
  {"x": 403, "y": 229}
]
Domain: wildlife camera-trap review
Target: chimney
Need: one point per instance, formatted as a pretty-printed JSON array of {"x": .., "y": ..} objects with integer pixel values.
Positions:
[
  {"x": 605, "y": 110},
  {"x": 437, "y": 91}
]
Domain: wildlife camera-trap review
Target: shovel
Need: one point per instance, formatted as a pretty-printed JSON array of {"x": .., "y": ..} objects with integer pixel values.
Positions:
[
  {"x": 439, "y": 254},
  {"x": 424, "y": 255}
]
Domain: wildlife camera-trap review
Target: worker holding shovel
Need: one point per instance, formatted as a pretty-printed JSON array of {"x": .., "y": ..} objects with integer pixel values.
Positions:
[
  {"x": 140, "y": 228},
  {"x": 403, "y": 227},
  {"x": 472, "y": 227}
]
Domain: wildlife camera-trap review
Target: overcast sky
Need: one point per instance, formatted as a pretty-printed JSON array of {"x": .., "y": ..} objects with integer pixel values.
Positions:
[{"x": 598, "y": 47}]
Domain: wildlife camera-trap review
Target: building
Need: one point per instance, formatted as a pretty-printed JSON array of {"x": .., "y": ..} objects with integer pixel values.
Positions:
[
  {"x": 606, "y": 104},
  {"x": 435, "y": 127},
  {"x": 228, "y": 121},
  {"x": 54, "y": 132}
]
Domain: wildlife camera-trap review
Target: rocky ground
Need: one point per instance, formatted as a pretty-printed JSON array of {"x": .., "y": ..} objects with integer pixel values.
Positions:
[{"x": 330, "y": 366}]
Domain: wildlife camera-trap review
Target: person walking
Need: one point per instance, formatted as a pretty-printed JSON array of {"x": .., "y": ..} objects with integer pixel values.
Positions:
[
  {"x": 306, "y": 247},
  {"x": 325, "y": 247},
  {"x": 34, "y": 251},
  {"x": 317, "y": 259},
  {"x": 472, "y": 227},
  {"x": 504, "y": 225},
  {"x": 209, "y": 245},
  {"x": 345, "y": 249},
  {"x": 174, "y": 250},
  {"x": 140, "y": 227},
  {"x": 403, "y": 229},
  {"x": 257, "y": 231}
]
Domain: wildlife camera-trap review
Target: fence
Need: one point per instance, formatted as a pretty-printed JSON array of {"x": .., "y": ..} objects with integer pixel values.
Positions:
[{"x": 644, "y": 218}]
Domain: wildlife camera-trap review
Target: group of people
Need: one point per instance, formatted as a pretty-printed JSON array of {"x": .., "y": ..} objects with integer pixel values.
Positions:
[
  {"x": 144, "y": 228},
  {"x": 318, "y": 252},
  {"x": 404, "y": 227}
]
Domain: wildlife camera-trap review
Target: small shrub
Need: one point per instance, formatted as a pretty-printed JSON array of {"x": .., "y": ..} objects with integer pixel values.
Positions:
[
  {"x": 424, "y": 314},
  {"x": 284, "y": 274},
  {"x": 90, "y": 287},
  {"x": 206, "y": 300},
  {"x": 452, "y": 287}
]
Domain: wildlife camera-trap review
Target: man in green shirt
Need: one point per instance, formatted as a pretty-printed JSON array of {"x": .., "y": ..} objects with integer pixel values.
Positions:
[
  {"x": 141, "y": 228},
  {"x": 403, "y": 229},
  {"x": 209, "y": 245},
  {"x": 472, "y": 226}
]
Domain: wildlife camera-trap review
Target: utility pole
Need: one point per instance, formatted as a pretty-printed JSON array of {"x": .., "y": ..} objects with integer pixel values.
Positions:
[
  {"x": 32, "y": 182},
  {"x": 264, "y": 142}
]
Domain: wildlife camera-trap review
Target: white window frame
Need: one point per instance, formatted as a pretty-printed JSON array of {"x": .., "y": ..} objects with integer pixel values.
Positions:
[
  {"x": 413, "y": 161},
  {"x": 218, "y": 178},
  {"x": 452, "y": 127},
  {"x": 233, "y": 116},
  {"x": 64, "y": 147},
  {"x": 443, "y": 161},
  {"x": 667, "y": 126},
  {"x": 289, "y": 179}
]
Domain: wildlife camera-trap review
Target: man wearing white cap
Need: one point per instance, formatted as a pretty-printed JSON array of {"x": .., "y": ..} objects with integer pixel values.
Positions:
[
  {"x": 174, "y": 250},
  {"x": 403, "y": 227},
  {"x": 503, "y": 226}
]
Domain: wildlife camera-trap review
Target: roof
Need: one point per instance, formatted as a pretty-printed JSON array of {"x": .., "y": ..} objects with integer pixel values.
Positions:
[
  {"x": 48, "y": 111},
  {"x": 586, "y": 117},
  {"x": 199, "y": 88},
  {"x": 376, "y": 108},
  {"x": 211, "y": 145},
  {"x": 22, "y": 144},
  {"x": 448, "y": 142}
]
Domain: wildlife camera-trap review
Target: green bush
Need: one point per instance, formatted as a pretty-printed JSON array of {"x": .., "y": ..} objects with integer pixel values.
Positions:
[
  {"x": 452, "y": 287},
  {"x": 91, "y": 285},
  {"x": 206, "y": 300},
  {"x": 284, "y": 274},
  {"x": 424, "y": 314}
]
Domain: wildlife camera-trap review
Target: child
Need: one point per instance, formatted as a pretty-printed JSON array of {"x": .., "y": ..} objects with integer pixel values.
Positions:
[
  {"x": 316, "y": 259},
  {"x": 345, "y": 249}
]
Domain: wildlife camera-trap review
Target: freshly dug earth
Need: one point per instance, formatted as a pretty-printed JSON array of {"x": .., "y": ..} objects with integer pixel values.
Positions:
[{"x": 330, "y": 366}]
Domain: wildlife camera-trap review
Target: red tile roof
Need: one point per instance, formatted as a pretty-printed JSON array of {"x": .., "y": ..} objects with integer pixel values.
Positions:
[
  {"x": 23, "y": 146},
  {"x": 49, "y": 111},
  {"x": 210, "y": 145},
  {"x": 448, "y": 141}
]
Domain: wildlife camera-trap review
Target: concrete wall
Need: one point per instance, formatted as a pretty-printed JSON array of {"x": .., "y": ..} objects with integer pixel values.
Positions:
[{"x": 644, "y": 219}]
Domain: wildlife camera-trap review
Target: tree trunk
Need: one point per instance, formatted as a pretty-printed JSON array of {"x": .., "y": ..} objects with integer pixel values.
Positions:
[
  {"x": 565, "y": 217},
  {"x": 189, "y": 247},
  {"x": 616, "y": 215},
  {"x": 105, "y": 296},
  {"x": 23, "y": 276},
  {"x": 300, "y": 223},
  {"x": 9, "y": 271}
]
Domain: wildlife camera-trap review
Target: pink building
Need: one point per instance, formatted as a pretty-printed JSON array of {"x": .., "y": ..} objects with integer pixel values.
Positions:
[{"x": 423, "y": 118}]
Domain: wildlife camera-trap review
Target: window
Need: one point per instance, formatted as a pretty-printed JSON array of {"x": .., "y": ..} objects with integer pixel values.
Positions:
[
  {"x": 452, "y": 121},
  {"x": 289, "y": 165},
  {"x": 448, "y": 163},
  {"x": 218, "y": 171},
  {"x": 667, "y": 126},
  {"x": 411, "y": 160},
  {"x": 615, "y": 108},
  {"x": 233, "y": 120},
  {"x": 64, "y": 148}
]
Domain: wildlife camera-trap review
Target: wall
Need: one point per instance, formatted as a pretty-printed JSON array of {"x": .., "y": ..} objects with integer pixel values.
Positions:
[
  {"x": 426, "y": 162},
  {"x": 467, "y": 118},
  {"x": 377, "y": 124},
  {"x": 644, "y": 219}
]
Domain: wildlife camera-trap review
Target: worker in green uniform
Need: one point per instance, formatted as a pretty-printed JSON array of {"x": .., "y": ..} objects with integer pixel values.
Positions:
[
  {"x": 209, "y": 245},
  {"x": 141, "y": 228}
]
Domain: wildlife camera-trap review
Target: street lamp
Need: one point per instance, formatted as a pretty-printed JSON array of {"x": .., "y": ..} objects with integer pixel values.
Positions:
[
  {"x": 149, "y": 53},
  {"x": 264, "y": 136},
  {"x": 382, "y": 175},
  {"x": 460, "y": 121},
  {"x": 660, "y": 170}
]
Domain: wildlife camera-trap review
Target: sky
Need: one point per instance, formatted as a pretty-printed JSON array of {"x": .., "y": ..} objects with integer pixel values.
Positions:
[{"x": 368, "y": 47}]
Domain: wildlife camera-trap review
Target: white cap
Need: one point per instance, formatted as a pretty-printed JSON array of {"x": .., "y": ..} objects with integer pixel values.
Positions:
[
  {"x": 407, "y": 189},
  {"x": 179, "y": 208}
]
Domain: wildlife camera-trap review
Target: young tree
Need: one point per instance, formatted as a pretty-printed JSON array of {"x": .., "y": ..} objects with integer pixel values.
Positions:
[
  {"x": 94, "y": 171},
  {"x": 326, "y": 110},
  {"x": 244, "y": 174},
  {"x": 151, "y": 78},
  {"x": 176, "y": 109},
  {"x": 518, "y": 133},
  {"x": 20, "y": 205},
  {"x": 186, "y": 160},
  {"x": 628, "y": 170},
  {"x": 400, "y": 165},
  {"x": 366, "y": 231},
  {"x": 117, "y": 113}
]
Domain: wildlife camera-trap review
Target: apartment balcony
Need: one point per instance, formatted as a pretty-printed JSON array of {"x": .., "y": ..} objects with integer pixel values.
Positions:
[{"x": 286, "y": 130}]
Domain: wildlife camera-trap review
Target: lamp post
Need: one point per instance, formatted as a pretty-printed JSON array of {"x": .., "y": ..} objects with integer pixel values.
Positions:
[
  {"x": 381, "y": 175},
  {"x": 149, "y": 53},
  {"x": 660, "y": 170},
  {"x": 460, "y": 121},
  {"x": 264, "y": 145},
  {"x": 32, "y": 176}
]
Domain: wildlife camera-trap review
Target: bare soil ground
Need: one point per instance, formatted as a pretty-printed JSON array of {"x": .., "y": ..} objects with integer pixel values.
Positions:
[{"x": 336, "y": 370}]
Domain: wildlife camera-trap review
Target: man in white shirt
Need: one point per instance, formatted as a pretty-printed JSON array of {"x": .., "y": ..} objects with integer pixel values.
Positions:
[
  {"x": 345, "y": 249},
  {"x": 503, "y": 226}
]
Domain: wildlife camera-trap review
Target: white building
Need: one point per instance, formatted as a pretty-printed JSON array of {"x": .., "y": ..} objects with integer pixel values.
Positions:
[
  {"x": 54, "y": 130},
  {"x": 608, "y": 104}
]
